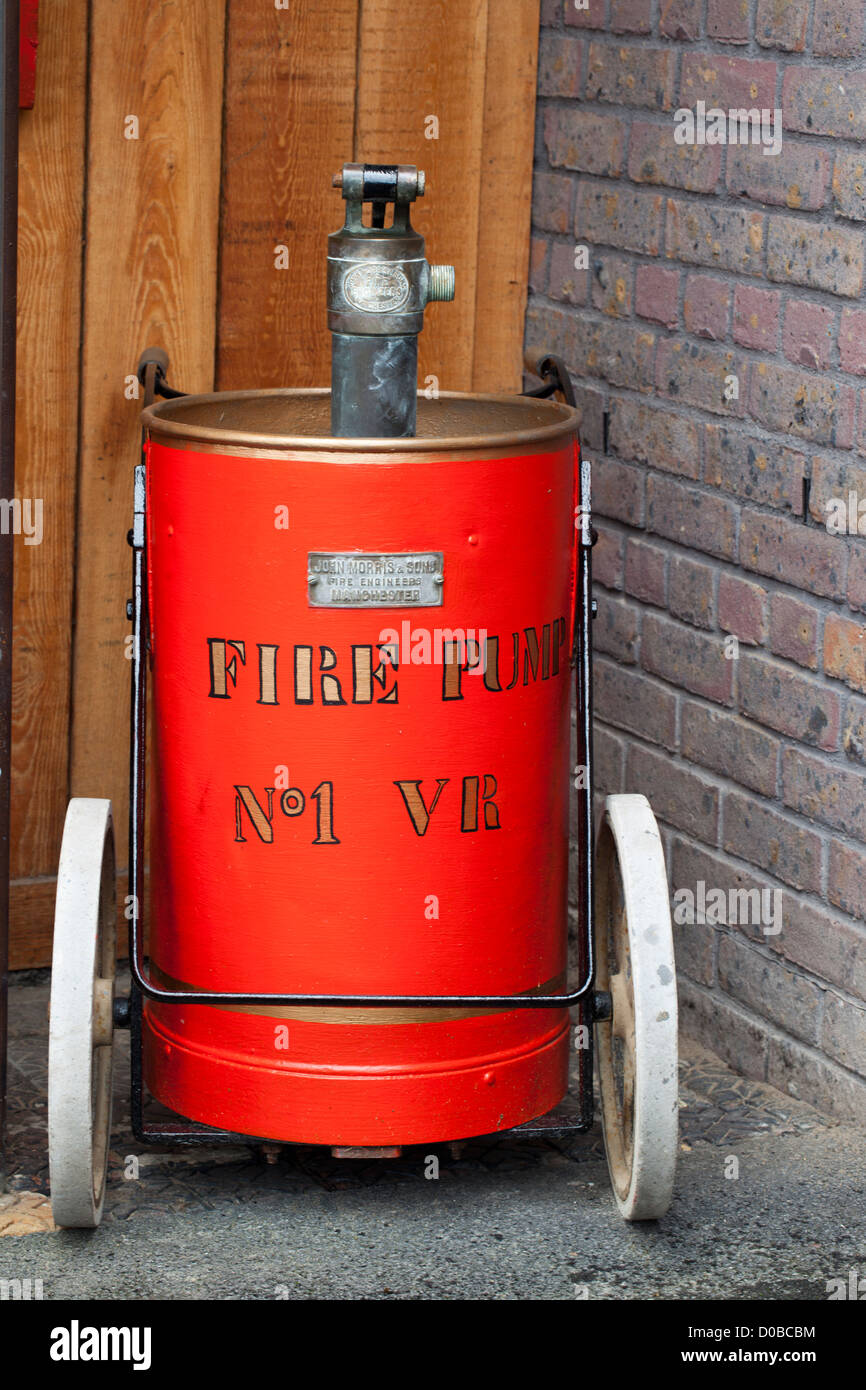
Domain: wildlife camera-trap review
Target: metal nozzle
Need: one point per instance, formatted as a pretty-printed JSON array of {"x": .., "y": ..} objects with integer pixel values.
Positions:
[{"x": 441, "y": 283}]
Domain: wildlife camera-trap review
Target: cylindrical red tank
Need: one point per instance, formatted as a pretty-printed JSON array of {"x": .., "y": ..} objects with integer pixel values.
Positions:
[{"x": 361, "y": 693}]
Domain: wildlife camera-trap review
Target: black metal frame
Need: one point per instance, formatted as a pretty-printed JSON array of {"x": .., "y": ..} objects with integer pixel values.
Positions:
[
  {"x": 129, "y": 1013},
  {"x": 9, "y": 63}
]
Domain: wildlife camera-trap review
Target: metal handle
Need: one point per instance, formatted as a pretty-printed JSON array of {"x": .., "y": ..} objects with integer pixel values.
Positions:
[
  {"x": 152, "y": 372},
  {"x": 553, "y": 372}
]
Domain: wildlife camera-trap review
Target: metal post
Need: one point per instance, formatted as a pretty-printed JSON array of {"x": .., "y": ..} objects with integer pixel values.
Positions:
[{"x": 8, "y": 281}]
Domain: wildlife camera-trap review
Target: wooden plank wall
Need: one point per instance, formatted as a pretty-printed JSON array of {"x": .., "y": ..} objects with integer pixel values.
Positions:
[
  {"x": 164, "y": 229},
  {"x": 50, "y": 230}
]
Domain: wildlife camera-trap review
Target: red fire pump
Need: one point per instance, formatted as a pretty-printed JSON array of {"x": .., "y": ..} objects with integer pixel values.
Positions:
[{"x": 361, "y": 613}]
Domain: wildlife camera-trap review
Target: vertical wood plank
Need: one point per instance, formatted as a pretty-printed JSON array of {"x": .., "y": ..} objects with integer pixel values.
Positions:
[
  {"x": 290, "y": 107},
  {"x": 51, "y": 183},
  {"x": 508, "y": 139},
  {"x": 415, "y": 65},
  {"x": 305, "y": 90},
  {"x": 32, "y": 920},
  {"x": 150, "y": 277}
]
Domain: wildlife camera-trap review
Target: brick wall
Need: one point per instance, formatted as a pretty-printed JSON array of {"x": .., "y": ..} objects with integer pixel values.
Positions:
[{"x": 717, "y": 335}]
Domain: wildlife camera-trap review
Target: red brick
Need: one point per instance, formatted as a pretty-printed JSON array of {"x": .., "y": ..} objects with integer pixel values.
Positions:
[
  {"x": 824, "y": 258},
  {"x": 849, "y": 185},
  {"x": 716, "y": 1021},
  {"x": 854, "y": 731},
  {"x": 559, "y": 60},
  {"x": 732, "y": 746},
  {"x": 690, "y": 517},
  {"x": 824, "y": 791},
  {"x": 538, "y": 265},
  {"x": 809, "y": 333},
  {"x": 615, "y": 629},
  {"x": 659, "y": 438},
  {"x": 794, "y": 630},
  {"x": 631, "y": 76},
  {"x": 552, "y": 202},
  {"x": 618, "y": 491},
  {"x": 801, "y": 556},
  {"x": 823, "y": 943},
  {"x": 799, "y": 1072},
  {"x": 756, "y": 317},
  {"x": 565, "y": 282},
  {"x": 762, "y": 984},
  {"x": 763, "y": 472},
  {"x": 727, "y": 238},
  {"x": 608, "y": 762},
  {"x": 845, "y": 651},
  {"x": 797, "y": 177},
  {"x": 694, "y": 950},
  {"x": 833, "y": 480},
  {"x": 590, "y": 406},
  {"x": 654, "y": 157},
  {"x": 701, "y": 376},
  {"x": 686, "y": 658},
  {"x": 782, "y": 24},
  {"x": 584, "y": 140},
  {"x": 732, "y": 83},
  {"x": 705, "y": 306},
  {"x": 631, "y": 16},
  {"x": 607, "y": 558},
  {"x": 857, "y": 580},
  {"x": 554, "y": 330},
  {"x": 692, "y": 586},
  {"x": 691, "y": 865},
  {"x": 656, "y": 294},
  {"x": 846, "y": 879},
  {"x": 792, "y": 401},
  {"x": 799, "y": 706},
  {"x": 621, "y": 353},
  {"x": 630, "y": 219},
  {"x": 814, "y": 100},
  {"x": 646, "y": 571},
  {"x": 632, "y": 701},
  {"x": 611, "y": 285},
  {"x": 743, "y": 609},
  {"x": 680, "y": 19},
  {"x": 757, "y": 833},
  {"x": 679, "y": 797},
  {"x": 861, "y": 439},
  {"x": 837, "y": 29},
  {"x": 590, "y": 18},
  {"x": 728, "y": 22},
  {"x": 711, "y": 378},
  {"x": 852, "y": 341},
  {"x": 844, "y": 1033}
]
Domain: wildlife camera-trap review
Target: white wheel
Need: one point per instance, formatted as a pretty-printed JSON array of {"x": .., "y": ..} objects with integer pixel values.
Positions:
[
  {"x": 636, "y": 1047},
  {"x": 82, "y": 997}
]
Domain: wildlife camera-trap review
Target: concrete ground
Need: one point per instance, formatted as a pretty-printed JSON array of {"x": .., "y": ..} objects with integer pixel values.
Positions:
[{"x": 517, "y": 1221}]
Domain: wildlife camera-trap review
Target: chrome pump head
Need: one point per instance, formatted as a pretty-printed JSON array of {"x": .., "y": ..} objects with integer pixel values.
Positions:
[{"x": 379, "y": 283}]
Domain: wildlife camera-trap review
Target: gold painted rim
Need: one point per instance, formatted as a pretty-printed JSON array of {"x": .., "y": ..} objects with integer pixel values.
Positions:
[
  {"x": 312, "y": 1013},
  {"x": 159, "y": 422}
]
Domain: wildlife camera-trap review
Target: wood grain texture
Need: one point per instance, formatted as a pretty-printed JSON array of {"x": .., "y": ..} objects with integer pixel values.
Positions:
[
  {"x": 200, "y": 200},
  {"x": 290, "y": 107},
  {"x": 31, "y": 927},
  {"x": 507, "y": 144},
  {"x": 150, "y": 277},
  {"x": 418, "y": 62},
  {"x": 51, "y": 183}
]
